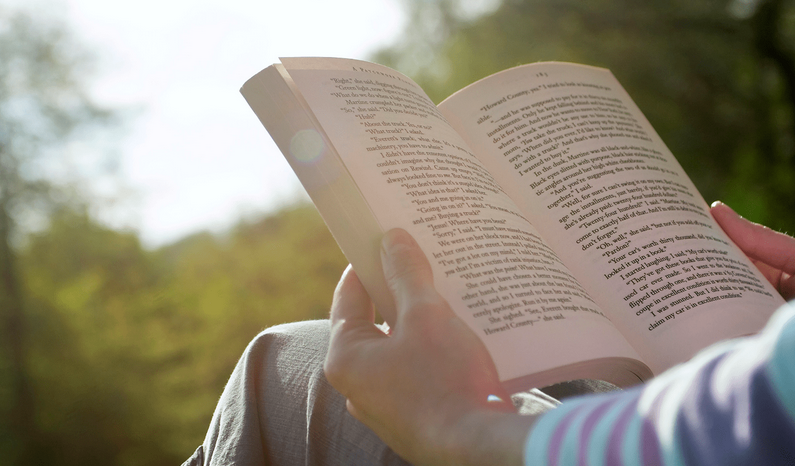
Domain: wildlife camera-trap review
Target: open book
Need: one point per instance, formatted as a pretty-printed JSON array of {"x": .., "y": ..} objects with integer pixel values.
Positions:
[{"x": 557, "y": 223}]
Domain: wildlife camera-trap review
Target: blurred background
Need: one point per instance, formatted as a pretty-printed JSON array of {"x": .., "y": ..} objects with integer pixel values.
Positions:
[{"x": 149, "y": 228}]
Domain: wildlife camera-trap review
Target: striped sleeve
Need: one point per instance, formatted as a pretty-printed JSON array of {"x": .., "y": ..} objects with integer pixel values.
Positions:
[{"x": 732, "y": 404}]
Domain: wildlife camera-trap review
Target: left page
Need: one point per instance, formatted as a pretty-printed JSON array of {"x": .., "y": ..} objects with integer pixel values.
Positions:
[{"x": 414, "y": 172}]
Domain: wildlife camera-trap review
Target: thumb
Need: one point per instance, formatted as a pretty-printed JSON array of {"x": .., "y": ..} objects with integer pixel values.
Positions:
[
  {"x": 353, "y": 333},
  {"x": 422, "y": 313},
  {"x": 408, "y": 273}
]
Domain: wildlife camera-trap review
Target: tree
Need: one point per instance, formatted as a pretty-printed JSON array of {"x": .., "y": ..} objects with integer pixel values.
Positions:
[
  {"x": 42, "y": 104},
  {"x": 716, "y": 78},
  {"x": 111, "y": 353},
  {"x": 130, "y": 348}
]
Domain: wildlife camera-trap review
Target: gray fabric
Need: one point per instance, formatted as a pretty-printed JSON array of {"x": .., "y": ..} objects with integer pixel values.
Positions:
[
  {"x": 578, "y": 387},
  {"x": 278, "y": 408}
]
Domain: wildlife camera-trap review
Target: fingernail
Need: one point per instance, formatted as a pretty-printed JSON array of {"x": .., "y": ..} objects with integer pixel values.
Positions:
[
  {"x": 716, "y": 203},
  {"x": 345, "y": 274}
]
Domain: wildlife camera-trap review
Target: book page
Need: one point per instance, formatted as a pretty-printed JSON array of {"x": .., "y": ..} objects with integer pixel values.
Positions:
[
  {"x": 488, "y": 261},
  {"x": 571, "y": 148}
]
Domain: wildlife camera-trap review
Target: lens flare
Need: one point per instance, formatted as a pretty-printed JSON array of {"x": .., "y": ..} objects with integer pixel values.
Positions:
[{"x": 307, "y": 146}]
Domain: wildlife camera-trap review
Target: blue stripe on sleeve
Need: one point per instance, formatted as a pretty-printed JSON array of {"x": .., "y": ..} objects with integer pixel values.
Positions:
[{"x": 782, "y": 365}]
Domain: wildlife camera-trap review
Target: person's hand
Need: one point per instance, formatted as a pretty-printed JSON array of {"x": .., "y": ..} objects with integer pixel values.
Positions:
[
  {"x": 424, "y": 387},
  {"x": 772, "y": 252}
]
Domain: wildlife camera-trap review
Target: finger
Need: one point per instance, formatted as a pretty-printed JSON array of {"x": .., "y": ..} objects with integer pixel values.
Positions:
[
  {"x": 352, "y": 328},
  {"x": 787, "y": 287},
  {"x": 403, "y": 260},
  {"x": 772, "y": 274},
  {"x": 781, "y": 281},
  {"x": 407, "y": 271},
  {"x": 351, "y": 301},
  {"x": 757, "y": 241}
]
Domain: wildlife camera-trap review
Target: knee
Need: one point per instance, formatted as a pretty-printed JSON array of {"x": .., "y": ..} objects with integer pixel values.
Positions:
[
  {"x": 286, "y": 351},
  {"x": 307, "y": 337}
]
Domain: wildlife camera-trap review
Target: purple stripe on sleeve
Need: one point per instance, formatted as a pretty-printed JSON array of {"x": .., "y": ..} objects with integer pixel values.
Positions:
[
  {"x": 557, "y": 437},
  {"x": 587, "y": 429},
  {"x": 613, "y": 454},
  {"x": 650, "y": 445}
]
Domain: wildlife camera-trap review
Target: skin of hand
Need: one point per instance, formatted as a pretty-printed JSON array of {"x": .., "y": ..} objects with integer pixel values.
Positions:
[
  {"x": 422, "y": 388},
  {"x": 772, "y": 252}
]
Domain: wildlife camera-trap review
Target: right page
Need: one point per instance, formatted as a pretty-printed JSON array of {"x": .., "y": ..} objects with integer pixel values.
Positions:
[{"x": 574, "y": 152}]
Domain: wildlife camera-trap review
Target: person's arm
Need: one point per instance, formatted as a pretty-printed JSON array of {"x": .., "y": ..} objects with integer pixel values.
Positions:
[{"x": 732, "y": 404}]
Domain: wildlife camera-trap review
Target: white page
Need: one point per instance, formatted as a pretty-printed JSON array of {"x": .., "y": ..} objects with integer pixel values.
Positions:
[{"x": 576, "y": 154}]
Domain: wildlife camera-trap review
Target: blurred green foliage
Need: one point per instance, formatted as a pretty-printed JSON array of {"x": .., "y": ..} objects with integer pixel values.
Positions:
[
  {"x": 124, "y": 351},
  {"x": 131, "y": 348},
  {"x": 42, "y": 105}
]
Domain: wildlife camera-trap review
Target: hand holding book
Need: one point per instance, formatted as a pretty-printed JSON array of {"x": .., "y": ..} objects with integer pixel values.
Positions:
[{"x": 425, "y": 387}]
